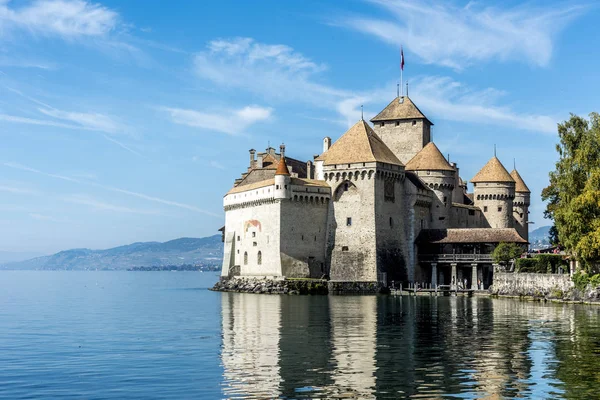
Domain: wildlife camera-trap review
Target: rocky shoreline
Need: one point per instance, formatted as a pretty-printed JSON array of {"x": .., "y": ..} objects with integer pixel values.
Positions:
[{"x": 272, "y": 286}]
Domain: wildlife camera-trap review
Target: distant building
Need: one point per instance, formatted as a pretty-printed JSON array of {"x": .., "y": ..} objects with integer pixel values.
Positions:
[{"x": 380, "y": 204}]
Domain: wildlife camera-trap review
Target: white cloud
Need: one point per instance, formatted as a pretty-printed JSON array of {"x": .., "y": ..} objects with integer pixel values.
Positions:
[
  {"x": 231, "y": 122},
  {"x": 42, "y": 217},
  {"x": 65, "y": 18},
  {"x": 91, "y": 121},
  {"x": 272, "y": 71},
  {"x": 457, "y": 37}
]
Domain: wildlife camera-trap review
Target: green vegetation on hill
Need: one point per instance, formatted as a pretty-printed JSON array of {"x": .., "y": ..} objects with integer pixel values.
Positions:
[{"x": 573, "y": 195}]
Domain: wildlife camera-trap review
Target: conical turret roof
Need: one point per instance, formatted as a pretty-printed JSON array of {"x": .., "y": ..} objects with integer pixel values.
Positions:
[
  {"x": 282, "y": 168},
  {"x": 520, "y": 186},
  {"x": 493, "y": 171},
  {"x": 430, "y": 158},
  {"x": 400, "y": 108},
  {"x": 359, "y": 144}
]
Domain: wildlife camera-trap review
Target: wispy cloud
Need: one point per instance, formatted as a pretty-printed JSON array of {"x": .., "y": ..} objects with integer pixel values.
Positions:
[
  {"x": 111, "y": 188},
  {"x": 104, "y": 206},
  {"x": 457, "y": 37},
  {"x": 91, "y": 121},
  {"x": 17, "y": 190},
  {"x": 231, "y": 122},
  {"x": 274, "y": 71},
  {"x": 43, "y": 217},
  {"x": 69, "y": 19}
]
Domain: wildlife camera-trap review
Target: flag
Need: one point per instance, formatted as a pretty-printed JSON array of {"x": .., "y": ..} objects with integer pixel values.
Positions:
[{"x": 401, "y": 59}]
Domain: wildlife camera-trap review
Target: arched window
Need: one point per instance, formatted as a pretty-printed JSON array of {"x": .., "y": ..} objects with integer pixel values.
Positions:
[
  {"x": 259, "y": 258},
  {"x": 245, "y": 258}
]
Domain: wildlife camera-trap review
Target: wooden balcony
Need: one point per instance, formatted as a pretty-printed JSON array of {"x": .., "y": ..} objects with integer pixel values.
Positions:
[{"x": 456, "y": 258}]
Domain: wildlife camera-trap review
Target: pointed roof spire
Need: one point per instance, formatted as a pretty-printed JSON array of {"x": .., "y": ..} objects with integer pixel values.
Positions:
[
  {"x": 493, "y": 171},
  {"x": 282, "y": 168},
  {"x": 400, "y": 110},
  {"x": 359, "y": 144},
  {"x": 430, "y": 158},
  {"x": 520, "y": 186}
]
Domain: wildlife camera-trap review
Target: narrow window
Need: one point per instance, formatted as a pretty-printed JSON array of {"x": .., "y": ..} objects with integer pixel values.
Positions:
[
  {"x": 276, "y": 186},
  {"x": 397, "y": 123},
  {"x": 259, "y": 258},
  {"x": 238, "y": 252},
  {"x": 253, "y": 234},
  {"x": 348, "y": 221},
  {"x": 245, "y": 258},
  {"x": 484, "y": 208},
  {"x": 383, "y": 124},
  {"x": 499, "y": 209},
  {"x": 521, "y": 215},
  {"x": 414, "y": 123},
  {"x": 238, "y": 238},
  {"x": 345, "y": 187},
  {"x": 286, "y": 186},
  {"x": 344, "y": 248},
  {"x": 391, "y": 222},
  {"x": 302, "y": 237},
  {"x": 315, "y": 238},
  {"x": 445, "y": 200},
  {"x": 254, "y": 244}
]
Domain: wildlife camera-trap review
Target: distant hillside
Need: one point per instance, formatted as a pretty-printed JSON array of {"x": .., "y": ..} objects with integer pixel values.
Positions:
[
  {"x": 208, "y": 250},
  {"x": 539, "y": 238}
]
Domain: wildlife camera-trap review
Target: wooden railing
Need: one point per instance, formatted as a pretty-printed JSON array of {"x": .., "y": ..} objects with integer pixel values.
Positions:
[{"x": 456, "y": 257}]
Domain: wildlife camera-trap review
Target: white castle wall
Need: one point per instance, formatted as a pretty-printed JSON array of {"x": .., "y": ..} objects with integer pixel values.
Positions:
[{"x": 521, "y": 214}]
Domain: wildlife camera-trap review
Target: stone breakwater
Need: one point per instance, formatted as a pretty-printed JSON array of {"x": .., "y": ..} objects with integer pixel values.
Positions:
[
  {"x": 272, "y": 286},
  {"x": 542, "y": 287}
]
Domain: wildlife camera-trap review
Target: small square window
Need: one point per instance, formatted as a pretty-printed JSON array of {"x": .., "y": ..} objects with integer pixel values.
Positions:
[
  {"x": 397, "y": 123},
  {"x": 414, "y": 123},
  {"x": 383, "y": 124},
  {"x": 348, "y": 221},
  {"x": 238, "y": 238},
  {"x": 484, "y": 208},
  {"x": 499, "y": 209},
  {"x": 344, "y": 248},
  {"x": 254, "y": 244},
  {"x": 253, "y": 234}
]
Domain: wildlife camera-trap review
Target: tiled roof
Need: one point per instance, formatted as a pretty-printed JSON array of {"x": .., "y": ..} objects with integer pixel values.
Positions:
[
  {"x": 282, "y": 168},
  {"x": 493, "y": 171},
  {"x": 359, "y": 144},
  {"x": 470, "y": 235},
  {"x": 309, "y": 182},
  {"x": 430, "y": 158},
  {"x": 416, "y": 181},
  {"x": 400, "y": 110},
  {"x": 520, "y": 186},
  {"x": 255, "y": 185}
]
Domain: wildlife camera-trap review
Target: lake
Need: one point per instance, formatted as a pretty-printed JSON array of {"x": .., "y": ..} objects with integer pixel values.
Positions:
[{"x": 163, "y": 335}]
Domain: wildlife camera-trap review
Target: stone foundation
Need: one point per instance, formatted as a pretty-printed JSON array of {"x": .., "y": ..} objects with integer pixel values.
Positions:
[
  {"x": 532, "y": 285},
  {"x": 272, "y": 286}
]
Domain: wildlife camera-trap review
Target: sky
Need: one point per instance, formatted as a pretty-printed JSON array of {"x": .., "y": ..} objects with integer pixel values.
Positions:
[{"x": 126, "y": 121}]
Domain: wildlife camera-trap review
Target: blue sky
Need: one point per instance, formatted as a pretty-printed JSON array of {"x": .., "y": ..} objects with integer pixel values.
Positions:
[{"x": 128, "y": 121}]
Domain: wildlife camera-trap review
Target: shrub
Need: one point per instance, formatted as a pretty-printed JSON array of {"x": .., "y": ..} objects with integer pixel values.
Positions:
[
  {"x": 550, "y": 263},
  {"x": 582, "y": 280},
  {"x": 526, "y": 265},
  {"x": 505, "y": 252}
]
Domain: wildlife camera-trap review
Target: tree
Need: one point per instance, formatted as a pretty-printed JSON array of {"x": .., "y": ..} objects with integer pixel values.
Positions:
[
  {"x": 574, "y": 192},
  {"x": 506, "y": 252}
]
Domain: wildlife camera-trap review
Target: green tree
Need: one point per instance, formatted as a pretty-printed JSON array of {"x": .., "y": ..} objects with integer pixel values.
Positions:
[
  {"x": 506, "y": 252},
  {"x": 573, "y": 195}
]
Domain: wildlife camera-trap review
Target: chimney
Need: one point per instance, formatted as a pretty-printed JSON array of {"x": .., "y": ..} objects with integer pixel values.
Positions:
[
  {"x": 252, "y": 153},
  {"x": 282, "y": 150},
  {"x": 326, "y": 143}
]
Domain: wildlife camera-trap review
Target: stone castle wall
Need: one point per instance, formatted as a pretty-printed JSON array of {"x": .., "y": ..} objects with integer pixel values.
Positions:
[
  {"x": 521, "y": 214},
  {"x": 403, "y": 138},
  {"x": 526, "y": 284},
  {"x": 496, "y": 202}
]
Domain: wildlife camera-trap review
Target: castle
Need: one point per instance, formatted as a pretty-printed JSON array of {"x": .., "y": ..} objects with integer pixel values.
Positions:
[{"x": 380, "y": 204}]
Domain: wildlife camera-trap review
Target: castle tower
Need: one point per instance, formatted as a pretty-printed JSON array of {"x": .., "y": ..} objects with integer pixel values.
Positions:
[
  {"x": 431, "y": 166},
  {"x": 403, "y": 128},
  {"x": 494, "y": 193},
  {"x": 283, "y": 187},
  {"x": 521, "y": 205},
  {"x": 366, "y": 229}
]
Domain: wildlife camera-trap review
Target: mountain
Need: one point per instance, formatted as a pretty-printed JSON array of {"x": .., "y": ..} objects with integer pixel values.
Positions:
[
  {"x": 539, "y": 238},
  {"x": 207, "y": 251}
]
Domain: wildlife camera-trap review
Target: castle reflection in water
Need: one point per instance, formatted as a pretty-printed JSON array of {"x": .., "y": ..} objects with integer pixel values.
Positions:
[{"x": 391, "y": 347}]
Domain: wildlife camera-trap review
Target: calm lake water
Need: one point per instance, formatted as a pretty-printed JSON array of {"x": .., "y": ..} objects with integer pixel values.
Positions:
[{"x": 163, "y": 335}]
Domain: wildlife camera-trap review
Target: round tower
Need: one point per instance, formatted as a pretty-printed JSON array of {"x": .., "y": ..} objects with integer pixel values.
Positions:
[
  {"x": 494, "y": 194},
  {"x": 521, "y": 205},
  {"x": 283, "y": 187},
  {"x": 433, "y": 169}
]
